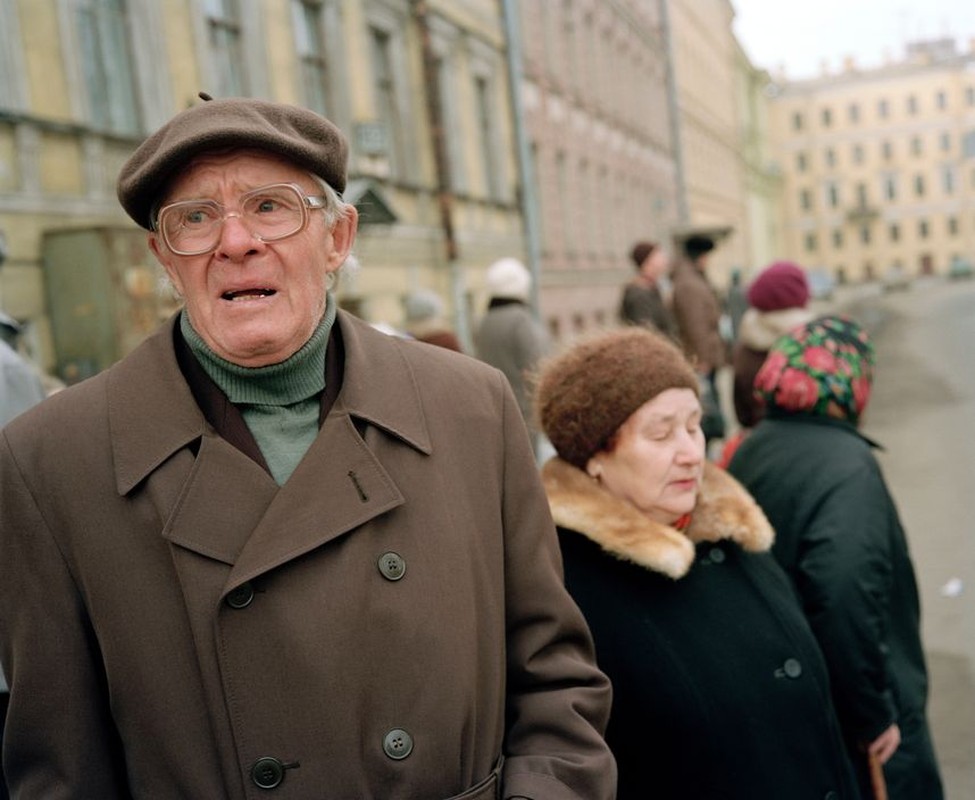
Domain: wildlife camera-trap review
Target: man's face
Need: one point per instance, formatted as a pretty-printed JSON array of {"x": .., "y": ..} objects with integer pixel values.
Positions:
[{"x": 254, "y": 303}]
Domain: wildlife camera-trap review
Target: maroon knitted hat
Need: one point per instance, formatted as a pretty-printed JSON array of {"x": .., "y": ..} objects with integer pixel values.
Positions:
[
  {"x": 778, "y": 286},
  {"x": 585, "y": 394},
  {"x": 296, "y": 134}
]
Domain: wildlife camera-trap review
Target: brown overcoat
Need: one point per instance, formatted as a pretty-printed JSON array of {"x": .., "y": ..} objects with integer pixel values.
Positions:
[
  {"x": 698, "y": 315},
  {"x": 391, "y": 623}
]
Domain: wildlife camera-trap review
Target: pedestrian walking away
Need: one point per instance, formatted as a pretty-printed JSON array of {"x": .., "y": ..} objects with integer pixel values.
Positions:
[
  {"x": 777, "y": 303},
  {"x": 719, "y": 687},
  {"x": 273, "y": 548},
  {"x": 509, "y": 337},
  {"x": 840, "y": 539},
  {"x": 642, "y": 302},
  {"x": 698, "y": 315}
]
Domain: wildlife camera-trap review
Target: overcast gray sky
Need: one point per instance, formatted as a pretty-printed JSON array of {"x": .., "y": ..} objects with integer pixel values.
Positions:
[{"x": 799, "y": 34}]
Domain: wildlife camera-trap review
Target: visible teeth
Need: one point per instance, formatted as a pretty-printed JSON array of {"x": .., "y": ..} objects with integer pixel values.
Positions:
[{"x": 247, "y": 294}]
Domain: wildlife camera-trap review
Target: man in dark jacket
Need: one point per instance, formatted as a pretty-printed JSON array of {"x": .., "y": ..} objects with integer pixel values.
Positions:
[
  {"x": 698, "y": 315},
  {"x": 839, "y": 538}
]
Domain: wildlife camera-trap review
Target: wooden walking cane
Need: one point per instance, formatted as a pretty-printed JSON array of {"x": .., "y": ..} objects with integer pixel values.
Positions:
[{"x": 877, "y": 782}]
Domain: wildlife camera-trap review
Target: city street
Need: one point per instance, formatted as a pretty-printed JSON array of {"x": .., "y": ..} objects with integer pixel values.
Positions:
[{"x": 923, "y": 413}]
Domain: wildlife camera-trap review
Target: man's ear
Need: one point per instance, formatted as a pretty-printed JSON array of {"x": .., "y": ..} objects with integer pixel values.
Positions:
[
  {"x": 164, "y": 257},
  {"x": 343, "y": 237},
  {"x": 594, "y": 467}
]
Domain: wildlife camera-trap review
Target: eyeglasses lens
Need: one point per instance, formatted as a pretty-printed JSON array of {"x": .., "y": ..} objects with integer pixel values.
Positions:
[{"x": 192, "y": 227}]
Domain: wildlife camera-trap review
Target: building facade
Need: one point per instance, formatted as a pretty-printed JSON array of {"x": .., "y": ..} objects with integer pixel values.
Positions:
[
  {"x": 594, "y": 94},
  {"x": 710, "y": 67},
  {"x": 83, "y": 81},
  {"x": 879, "y": 165}
]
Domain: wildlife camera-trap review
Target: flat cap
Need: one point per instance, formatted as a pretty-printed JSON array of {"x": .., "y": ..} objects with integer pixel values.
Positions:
[{"x": 297, "y": 134}]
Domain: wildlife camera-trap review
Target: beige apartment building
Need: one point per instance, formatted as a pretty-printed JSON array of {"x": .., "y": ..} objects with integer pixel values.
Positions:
[
  {"x": 712, "y": 77},
  {"x": 597, "y": 115},
  {"x": 879, "y": 165},
  {"x": 81, "y": 83}
]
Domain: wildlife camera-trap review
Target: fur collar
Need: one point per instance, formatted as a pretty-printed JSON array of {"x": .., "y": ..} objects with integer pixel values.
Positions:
[
  {"x": 724, "y": 511},
  {"x": 760, "y": 329}
]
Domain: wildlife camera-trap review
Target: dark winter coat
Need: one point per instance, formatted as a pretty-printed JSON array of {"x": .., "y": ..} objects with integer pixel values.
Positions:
[
  {"x": 389, "y": 624},
  {"x": 645, "y": 305},
  {"x": 840, "y": 540},
  {"x": 719, "y": 689}
]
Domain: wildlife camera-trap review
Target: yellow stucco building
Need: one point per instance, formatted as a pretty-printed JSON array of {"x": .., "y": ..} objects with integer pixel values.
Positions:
[
  {"x": 83, "y": 81},
  {"x": 879, "y": 165}
]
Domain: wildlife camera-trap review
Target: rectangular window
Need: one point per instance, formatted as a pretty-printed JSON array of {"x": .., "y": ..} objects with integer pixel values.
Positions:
[
  {"x": 810, "y": 242},
  {"x": 970, "y": 95},
  {"x": 912, "y": 105},
  {"x": 895, "y": 232},
  {"x": 890, "y": 187},
  {"x": 830, "y": 157},
  {"x": 922, "y": 229},
  {"x": 857, "y": 154},
  {"x": 224, "y": 32},
  {"x": 948, "y": 179},
  {"x": 854, "y": 112},
  {"x": 916, "y": 145},
  {"x": 952, "y": 226},
  {"x": 968, "y": 144},
  {"x": 805, "y": 199},
  {"x": 485, "y": 124},
  {"x": 801, "y": 162},
  {"x": 827, "y": 117},
  {"x": 883, "y": 109},
  {"x": 832, "y": 195},
  {"x": 387, "y": 105},
  {"x": 945, "y": 142},
  {"x": 106, "y": 65},
  {"x": 310, "y": 47},
  {"x": 941, "y": 99},
  {"x": 862, "y": 195},
  {"x": 565, "y": 210},
  {"x": 837, "y": 238},
  {"x": 797, "y": 121},
  {"x": 919, "y": 185},
  {"x": 865, "y": 234},
  {"x": 888, "y": 151}
]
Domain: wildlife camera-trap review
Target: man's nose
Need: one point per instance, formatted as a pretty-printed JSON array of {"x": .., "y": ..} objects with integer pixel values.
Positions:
[{"x": 236, "y": 239}]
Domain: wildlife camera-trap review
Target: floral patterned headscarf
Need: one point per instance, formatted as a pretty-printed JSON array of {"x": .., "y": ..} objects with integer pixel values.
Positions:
[{"x": 823, "y": 368}]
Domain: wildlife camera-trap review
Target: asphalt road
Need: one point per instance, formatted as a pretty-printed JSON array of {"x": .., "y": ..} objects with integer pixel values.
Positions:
[{"x": 923, "y": 413}]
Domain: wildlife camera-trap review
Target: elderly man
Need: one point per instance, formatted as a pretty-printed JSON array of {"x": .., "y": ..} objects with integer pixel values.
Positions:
[{"x": 273, "y": 552}]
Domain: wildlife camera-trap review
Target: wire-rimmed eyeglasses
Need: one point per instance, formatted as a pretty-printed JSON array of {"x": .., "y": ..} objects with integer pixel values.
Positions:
[{"x": 270, "y": 213}]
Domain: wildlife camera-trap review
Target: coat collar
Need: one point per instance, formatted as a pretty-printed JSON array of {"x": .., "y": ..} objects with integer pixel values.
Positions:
[
  {"x": 759, "y": 330},
  {"x": 724, "y": 511},
  {"x": 152, "y": 413}
]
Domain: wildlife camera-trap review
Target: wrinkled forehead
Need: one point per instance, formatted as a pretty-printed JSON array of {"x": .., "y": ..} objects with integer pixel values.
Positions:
[{"x": 233, "y": 169}]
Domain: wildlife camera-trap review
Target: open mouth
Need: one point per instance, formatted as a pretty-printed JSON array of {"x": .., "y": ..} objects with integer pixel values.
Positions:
[{"x": 248, "y": 294}]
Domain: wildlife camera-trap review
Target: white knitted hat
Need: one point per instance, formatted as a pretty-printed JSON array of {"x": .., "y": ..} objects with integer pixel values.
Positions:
[{"x": 508, "y": 278}]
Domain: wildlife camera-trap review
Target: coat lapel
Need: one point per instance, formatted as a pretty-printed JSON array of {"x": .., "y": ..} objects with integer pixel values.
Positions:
[
  {"x": 223, "y": 505},
  {"x": 338, "y": 486}
]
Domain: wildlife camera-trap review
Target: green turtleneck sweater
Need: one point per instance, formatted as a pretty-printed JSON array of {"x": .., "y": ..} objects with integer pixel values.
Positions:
[{"x": 280, "y": 403}]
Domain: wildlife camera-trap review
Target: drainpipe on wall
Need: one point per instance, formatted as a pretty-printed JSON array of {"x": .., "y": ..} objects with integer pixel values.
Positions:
[
  {"x": 445, "y": 197},
  {"x": 529, "y": 206}
]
